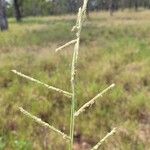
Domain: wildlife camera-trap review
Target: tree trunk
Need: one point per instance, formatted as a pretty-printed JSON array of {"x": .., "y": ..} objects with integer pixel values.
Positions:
[
  {"x": 136, "y": 5},
  {"x": 122, "y": 5},
  {"x": 3, "y": 17},
  {"x": 111, "y": 7},
  {"x": 149, "y": 4},
  {"x": 17, "y": 10}
]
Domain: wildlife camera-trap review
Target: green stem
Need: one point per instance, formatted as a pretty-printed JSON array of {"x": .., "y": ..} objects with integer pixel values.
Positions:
[
  {"x": 73, "y": 71},
  {"x": 72, "y": 119}
]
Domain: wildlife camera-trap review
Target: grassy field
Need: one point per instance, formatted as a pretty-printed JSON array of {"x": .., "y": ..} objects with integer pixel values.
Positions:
[{"x": 113, "y": 50}]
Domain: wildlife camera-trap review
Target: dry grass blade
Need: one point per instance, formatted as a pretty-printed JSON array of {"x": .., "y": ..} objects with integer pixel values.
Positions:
[
  {"x": 38, "y": 120},
  {"x": 104, "y": 139},
  {"x": 92, "y": 101},
  {"x": 44, "y": 84},
  {"x": 65, "y": 45}
]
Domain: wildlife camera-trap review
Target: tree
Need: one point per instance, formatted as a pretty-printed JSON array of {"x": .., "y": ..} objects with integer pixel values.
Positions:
[
  {"x": 3, "y": 17},
  {"x": 111, "y": 7},
  {"x": 17, "y": 10},
  {"x": 72, "y": 7},
  {"x": 136, "y": 5},
  {"x": 52, "y": 7}
]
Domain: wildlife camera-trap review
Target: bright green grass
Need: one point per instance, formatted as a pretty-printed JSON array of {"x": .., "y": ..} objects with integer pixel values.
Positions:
[{"x": 113, "y": 50}]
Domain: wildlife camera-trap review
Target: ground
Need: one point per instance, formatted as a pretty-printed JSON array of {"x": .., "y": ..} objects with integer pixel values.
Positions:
[{"x": 113, "y": 50}]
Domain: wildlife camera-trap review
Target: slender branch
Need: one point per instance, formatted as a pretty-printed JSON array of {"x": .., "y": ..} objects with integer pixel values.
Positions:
[
  {"x": 40, "y": 82},
  {"x": 73, "y": 73},
  {"x": 92, "y": 101},
  {"x": 104, "y": 139},
  {"x": 65, "y": 45},
  {"x": 38, "y": 120}
]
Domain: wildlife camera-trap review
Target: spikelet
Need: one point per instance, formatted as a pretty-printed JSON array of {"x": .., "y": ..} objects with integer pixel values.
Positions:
[
  {"x": 92, "y": 101},
  {"x": 42, "y": 83},
  {"x": 104, "y": 139},
  {"x": 38, "y": 120}
]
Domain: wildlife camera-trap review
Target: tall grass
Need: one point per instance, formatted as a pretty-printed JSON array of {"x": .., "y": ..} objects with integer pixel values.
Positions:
[{"x": 74, "y": 113}]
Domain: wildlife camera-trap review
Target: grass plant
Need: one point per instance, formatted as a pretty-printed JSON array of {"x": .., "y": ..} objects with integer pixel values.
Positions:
[
  {"x": 112, "y": 50},
  {"x": 74, "y": 113}
]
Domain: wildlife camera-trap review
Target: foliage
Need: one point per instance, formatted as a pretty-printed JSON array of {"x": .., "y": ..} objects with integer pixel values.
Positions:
[
  {"x": 2, "y": 144},
  {"x": 53, "y": 7}
]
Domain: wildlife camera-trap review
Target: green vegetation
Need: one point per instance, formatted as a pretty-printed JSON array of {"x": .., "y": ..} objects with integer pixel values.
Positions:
[{"x": 113, "y": 50}]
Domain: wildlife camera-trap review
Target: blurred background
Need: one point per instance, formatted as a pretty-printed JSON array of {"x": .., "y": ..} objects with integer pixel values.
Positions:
[{"x": 115, "y": 48}]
